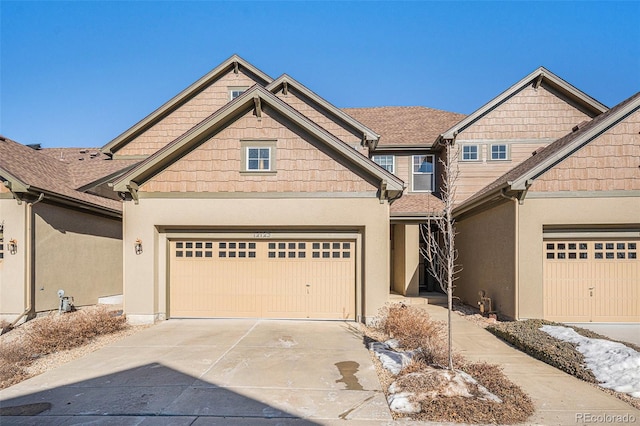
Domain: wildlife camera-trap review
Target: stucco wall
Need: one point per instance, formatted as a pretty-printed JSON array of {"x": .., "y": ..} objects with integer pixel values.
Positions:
[
  {"x": 78, "y": 252},
  {"x": 12, "y": 273},
  {"x": 145, "y": 283},
  {"x": 535, "y": 213},
  {"x": 406, "y": 259},
  {"x": 486, "y": 246}
]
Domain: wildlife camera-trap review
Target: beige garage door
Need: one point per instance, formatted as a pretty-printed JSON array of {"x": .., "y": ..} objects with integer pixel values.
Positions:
[
  {"x": 262, "y": 278},
  {"x": 592, "y": 280}
]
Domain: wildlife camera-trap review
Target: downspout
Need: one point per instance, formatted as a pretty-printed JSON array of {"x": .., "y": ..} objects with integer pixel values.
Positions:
[
  {"x": 516, "y": 288},
  {"x": 28, "y": 276}
]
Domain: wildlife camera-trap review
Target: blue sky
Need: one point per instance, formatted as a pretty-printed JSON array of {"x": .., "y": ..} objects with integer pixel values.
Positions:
[{"x": 80, "y": 73}]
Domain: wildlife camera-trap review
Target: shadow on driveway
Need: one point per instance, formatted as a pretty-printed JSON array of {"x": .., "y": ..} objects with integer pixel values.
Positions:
[{"x": 151, "y": 392}]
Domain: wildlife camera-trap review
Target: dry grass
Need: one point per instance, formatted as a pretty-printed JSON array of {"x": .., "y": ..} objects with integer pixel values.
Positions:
[
  {"x": 413, "y": 329},
  {"x": 50, "y": 334}
]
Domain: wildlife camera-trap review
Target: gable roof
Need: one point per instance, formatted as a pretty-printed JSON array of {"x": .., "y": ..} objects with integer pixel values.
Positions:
[
  {"x": 255, "y": 97},
  {"x": 172, "y": 104},
  {"x": 405, "y": 126},
  {"x": 537, "y": 77},
  {"x": 285, "y": 81},
  {"x": 520, "y": 177},
  {"x": 29, "y": 171}
]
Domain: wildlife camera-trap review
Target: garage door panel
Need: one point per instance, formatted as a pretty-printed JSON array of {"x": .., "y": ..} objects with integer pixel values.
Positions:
[
  {"x": 591, "y": 280},
  {"x": 263, "y": 278}
]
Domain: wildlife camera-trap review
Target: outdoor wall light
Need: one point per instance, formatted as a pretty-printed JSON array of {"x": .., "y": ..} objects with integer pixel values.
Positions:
[
  {"x": 13, "y": 246},
  {"x": 137, "y": 247}
]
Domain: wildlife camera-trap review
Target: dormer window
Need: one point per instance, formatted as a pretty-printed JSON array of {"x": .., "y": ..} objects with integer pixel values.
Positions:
[{"x": 234, "y": 92}]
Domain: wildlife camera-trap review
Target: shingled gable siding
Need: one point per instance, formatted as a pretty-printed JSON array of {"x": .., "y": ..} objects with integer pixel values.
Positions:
[
  {"x": 608, "y": 163},
  {"x": 215, "y": 166},
  {"x": 529, "y": 114},
  {"x": 187, "y": 115},
  {"x": 531, "y": 119},
  {"x": 323, "y": 120}
]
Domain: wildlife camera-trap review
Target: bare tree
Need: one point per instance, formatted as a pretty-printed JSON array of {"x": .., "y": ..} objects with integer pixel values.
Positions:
[{"x": 439, "y": 234}]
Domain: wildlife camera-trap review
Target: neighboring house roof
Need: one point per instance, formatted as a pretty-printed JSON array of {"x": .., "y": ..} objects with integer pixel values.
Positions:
[
  {"x": 259, "y": 98},
  {"x": 87, "y": 165},
  {"x": 416, "y": 206},
  {"x": 232, "y": 63},
  {"x": 520, "y": 177},
  {"x": 405, "y": 126},
  {"x": 30, "y": 171},
  {"x": 537, "y": 77},
  {"x": 284, "y": 82}
]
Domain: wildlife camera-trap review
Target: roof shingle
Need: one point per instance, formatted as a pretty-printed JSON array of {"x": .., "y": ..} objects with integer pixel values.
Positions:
[
  {"x": 41, "y": 171},
  {"x": 405, "y": 125}
]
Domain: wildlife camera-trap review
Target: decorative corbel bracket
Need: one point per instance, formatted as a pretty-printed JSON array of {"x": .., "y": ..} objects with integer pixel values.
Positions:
[
  {"x": 133, "y": 190},
  {"x": 383, "y": 191},
  {"x": 258, "y": 105}
]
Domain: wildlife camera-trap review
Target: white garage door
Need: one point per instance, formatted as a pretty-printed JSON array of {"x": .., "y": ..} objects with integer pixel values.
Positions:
[
  {"x": 594, "y": 280},
  {"x": 262, "y": 278}
]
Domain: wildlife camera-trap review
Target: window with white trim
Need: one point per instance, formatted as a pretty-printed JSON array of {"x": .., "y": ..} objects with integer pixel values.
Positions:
[
  {"x": 234, "y": 92},
  {"x": 258, "y": 159},
  {"x": 470, "y": 153},
  {"x": 422, "y": 173},
  {"x": 387, "y": 162},
  {"x": 499, "y": 152}
]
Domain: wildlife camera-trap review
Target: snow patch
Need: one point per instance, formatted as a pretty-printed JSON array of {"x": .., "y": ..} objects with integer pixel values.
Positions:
[
  {"x": 392, "y": 360},
  {"x": 614, "y": 365}
]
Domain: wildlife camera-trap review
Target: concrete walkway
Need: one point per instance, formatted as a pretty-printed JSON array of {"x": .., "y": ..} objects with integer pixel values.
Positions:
[{"x": 559, "y": 398}]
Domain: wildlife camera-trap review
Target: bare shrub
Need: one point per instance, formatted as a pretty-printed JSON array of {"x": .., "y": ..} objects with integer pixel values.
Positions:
[{"x": 414, "y": 329}]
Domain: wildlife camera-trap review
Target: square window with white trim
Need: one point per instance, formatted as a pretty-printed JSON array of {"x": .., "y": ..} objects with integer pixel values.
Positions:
[
  {"x": 259, "y": 159},
  {"x": 499, "y": 152},
  {"x": 423, "y": 173},
  {"x": 470, "y": 153},
  {"x": 387, "y": 162},
  {"x": 258, "y": 156},
  {"x": 234, "y": 92}
]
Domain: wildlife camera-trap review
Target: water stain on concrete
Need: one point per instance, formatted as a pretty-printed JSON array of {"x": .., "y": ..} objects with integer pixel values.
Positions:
[{"x": 348, "y": 370}]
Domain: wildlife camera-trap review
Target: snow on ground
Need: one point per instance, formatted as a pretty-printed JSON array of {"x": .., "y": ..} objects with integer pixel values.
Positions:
[
  {"x": 394, "y": 361},
  {"x": 614, "y": 365},
  {"x": 442, "y": 383}
]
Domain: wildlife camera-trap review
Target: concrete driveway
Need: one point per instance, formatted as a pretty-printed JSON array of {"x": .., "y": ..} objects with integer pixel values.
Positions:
[{"x": 195, "y": 372}]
